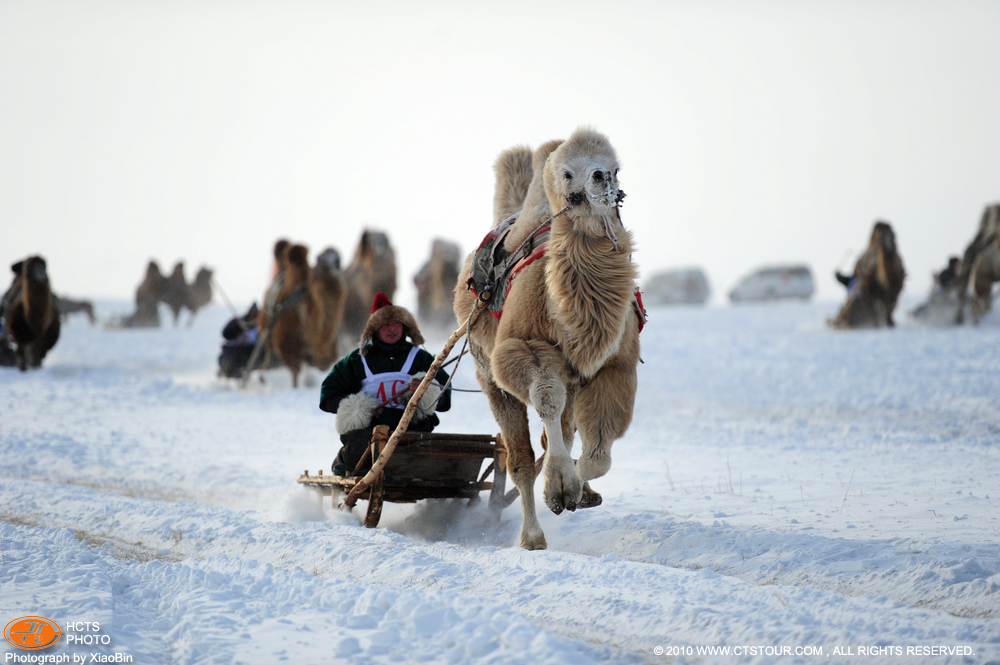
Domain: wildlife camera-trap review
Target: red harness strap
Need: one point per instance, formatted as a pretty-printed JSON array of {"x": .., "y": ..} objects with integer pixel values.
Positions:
[
  {"x": 511, "y": 266},
  {"x": 637, "y": 306},
  {"x": 518, "y": 266},
  {"x": 640, "y": 311}
]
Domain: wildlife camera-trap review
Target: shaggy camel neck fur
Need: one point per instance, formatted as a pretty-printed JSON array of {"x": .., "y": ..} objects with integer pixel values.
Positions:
[
  {"x": 567, "y": 343},
  {"x": 589, "y": 287}
]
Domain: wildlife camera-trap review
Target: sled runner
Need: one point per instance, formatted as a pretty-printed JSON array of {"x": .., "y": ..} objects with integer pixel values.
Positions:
[{"x": 424, "y": 465}]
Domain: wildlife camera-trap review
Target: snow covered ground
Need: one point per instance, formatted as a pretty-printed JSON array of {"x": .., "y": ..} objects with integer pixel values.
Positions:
[{"x": 786, "y": 492}]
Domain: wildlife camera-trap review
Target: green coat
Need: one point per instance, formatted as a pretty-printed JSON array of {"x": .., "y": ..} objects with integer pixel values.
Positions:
[{"x": 346, "y": 376}]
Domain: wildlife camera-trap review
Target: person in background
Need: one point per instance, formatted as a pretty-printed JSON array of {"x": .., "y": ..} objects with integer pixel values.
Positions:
[
  {"x": 240, "y": 335},
  {"x": 946, "y": 278},
  {"x": 372, "y": 384}
]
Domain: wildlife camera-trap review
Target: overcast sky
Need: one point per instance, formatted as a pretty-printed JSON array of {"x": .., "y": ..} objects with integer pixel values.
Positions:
[{"x": 749, "y": 132}]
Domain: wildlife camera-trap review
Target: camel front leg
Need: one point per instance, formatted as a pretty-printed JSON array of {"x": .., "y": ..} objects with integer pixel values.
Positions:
[
  {"x": 603, "y": 413},
  {"x": 532, "y": 370}
]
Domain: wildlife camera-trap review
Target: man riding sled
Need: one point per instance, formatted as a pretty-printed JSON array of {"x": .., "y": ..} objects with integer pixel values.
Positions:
[{"x": 371, "y": 385}]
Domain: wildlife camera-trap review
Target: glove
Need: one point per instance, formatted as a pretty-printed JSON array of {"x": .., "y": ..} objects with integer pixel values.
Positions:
[
  {"x": 428, "y": 401},
  {"x": 355, "y": 412}
]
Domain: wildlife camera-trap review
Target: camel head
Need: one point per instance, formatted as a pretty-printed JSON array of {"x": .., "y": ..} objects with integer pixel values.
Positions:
[
  {"x": 35, "y": 271},
  {"x": 883, "y": 237},
  {"x": 377, "y": 243},
  {"x": 445, "y": 252},
  {"x": 204, "y": 276},
  {"x": 329, "y": 260},
  {"x": 280, "y": 247},
  {"x": 298, "y": 257},
  {"x": 584, "y": 168},
  {"x": 372, "y": 249}
]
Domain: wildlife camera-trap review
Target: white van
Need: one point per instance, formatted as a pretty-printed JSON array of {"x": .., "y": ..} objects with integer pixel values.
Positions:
[
  {"x": 682, "y": 286},
  {"x": 773, "y": 283}
]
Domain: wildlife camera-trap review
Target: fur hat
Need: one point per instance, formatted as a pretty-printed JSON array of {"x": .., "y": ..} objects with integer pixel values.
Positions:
[{"x": 383, "y": 313}]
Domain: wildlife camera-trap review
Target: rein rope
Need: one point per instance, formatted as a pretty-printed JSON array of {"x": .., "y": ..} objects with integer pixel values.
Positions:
[
  {"x": 608, "y": 231},
  {"x": 232, "y": 310},
  {"x": 458, "y": 358},
  {"x": 286, "y": 303}
]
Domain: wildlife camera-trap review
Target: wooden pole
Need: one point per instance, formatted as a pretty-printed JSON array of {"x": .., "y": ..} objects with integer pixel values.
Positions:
[
  {"x": 411, "y": 408},
  {"x": 258, "y": 348}
]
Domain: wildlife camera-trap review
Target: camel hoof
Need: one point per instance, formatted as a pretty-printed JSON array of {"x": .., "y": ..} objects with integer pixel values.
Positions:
[
  {"x": 590, "y": 498},
  {"x": 563, "y": 492},
  {"x": 533, "y": 542},
  {"x": 557, "y": 506}
]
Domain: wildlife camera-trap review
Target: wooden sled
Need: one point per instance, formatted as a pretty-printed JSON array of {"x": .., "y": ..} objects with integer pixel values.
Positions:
[{"x": 424, "y": 465}]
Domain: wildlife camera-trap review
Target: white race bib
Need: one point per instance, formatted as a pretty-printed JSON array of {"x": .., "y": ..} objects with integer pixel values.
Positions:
[{"x": 389, "y": 386}]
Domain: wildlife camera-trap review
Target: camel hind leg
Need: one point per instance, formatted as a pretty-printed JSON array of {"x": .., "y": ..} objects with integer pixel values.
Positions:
[
  {"x": 533, "y": 370},
  {"x": 292, "y": 359},
  {"x": 512, "y": 416},
  {"x": 981, "y": 302}
]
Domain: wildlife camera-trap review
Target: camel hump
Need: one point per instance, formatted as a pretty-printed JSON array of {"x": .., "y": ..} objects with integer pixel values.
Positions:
[
  {"x": 588, "y": 140},
  {"x": 298, "y": 255},
  {"x": 513, "y": 170}
]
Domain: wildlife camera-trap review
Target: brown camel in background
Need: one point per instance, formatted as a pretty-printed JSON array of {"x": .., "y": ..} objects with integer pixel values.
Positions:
[
  {"x": 287, "y": 335},
  {"x": 308, "y": 310},
  {"x": 325, "y": 309},
  {"x": 271, "y": 295},
  {"x": 174, "y": 292},
  {"x": 435, "y": 284},
  {"x": 985, "y": 272},
  {"x": 33, "y": 318},
  {"x": 985, "y": 236},
  {"x": 147, "y": 299},
  {"x": 266, "y": 315},
  {"x": 199, "y": 293},
  {"x": 878, "y": 280},
  {"x": 372, "y": 270}
]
